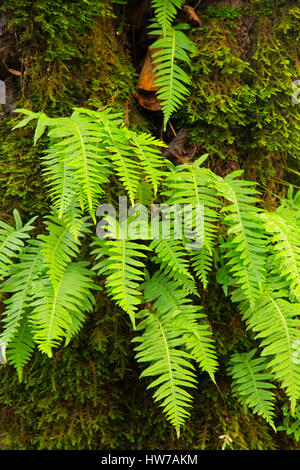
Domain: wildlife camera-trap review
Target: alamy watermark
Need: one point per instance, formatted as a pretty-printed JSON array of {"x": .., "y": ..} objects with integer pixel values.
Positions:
[
  {"x": 2, "y": 92},
  {"x": 296, "y": 94},
  {"x": 155, "y": 222}
]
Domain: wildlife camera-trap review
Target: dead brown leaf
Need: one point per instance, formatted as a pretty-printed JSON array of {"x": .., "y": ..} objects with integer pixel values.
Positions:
[{"x": 190, "y": 11}]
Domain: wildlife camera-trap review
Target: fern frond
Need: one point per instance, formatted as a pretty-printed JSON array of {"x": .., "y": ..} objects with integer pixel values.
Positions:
[
  {"x": 144, "y": 193},
  {"x": 58, "y": 247},
  {"x": 20, "y": 282},
  {"x": 161, "y": 345},
  {"x": 53, "y": 309},
  {"x": 60, "y": 179},
  {"x": 171, "y": 79},
  {"x": 168, "y": 298},
  {"x": 125, "y": 147},
  {"x": 276, "y": 322},
  {"x": 165, "y": 12},
  {"x": 171, "y": 256},
  {"x": 190, "y": 185},
  {"x": 285, "y": 246},
  {"x": 251, "y": 384},
  {"x": 247, "y": 248},
  {"x": 123, "y": 270},
  {"x": 80, "y": 138},
  {"x": 20, "y": 349},
  {"x": 148, "y": 151},
  {"x": 12, "y": 241}
]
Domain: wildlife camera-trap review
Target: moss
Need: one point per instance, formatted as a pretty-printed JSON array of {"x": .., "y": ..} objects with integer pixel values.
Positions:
[
  {"x": 21, "y": 185},
  {"x": 240, "y": 108}
]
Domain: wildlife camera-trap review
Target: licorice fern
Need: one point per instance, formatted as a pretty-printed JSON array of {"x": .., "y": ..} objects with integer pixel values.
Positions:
[
  {"x": 285, "y": 248},
  {"x": 47, "y": 289},
  {"x": 165, "y": 12},
  {"x": 121, "y": 265},
  {"x": 171, "y": 338},
  {"x": 246, "y": 249},
  {"x": 167, "y": 51},
  {"x": 12, "y": 241},
  {"x": 252, "y": 384},
  {"x": 276, "y": 322},
  {"x": 172, "y": 48}
]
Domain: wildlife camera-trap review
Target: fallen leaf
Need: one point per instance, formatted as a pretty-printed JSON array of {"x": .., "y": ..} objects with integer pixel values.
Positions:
[
  {"x": 192, "y": 14},
  {"x": 147, "y": 75},
  {"x": 148, "y": 100}
]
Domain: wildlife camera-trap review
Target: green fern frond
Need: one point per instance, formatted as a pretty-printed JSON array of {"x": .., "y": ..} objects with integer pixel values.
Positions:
[
  {"x": 161, "y": 346},
  {"x": 201, "y": 261},
  {"x": 20, "y": 349},
  {"x": 190, "y": 185},
  {"x": 80, "y": 138},
  {"x": 199, "y": 341},
  {"x": 171, "y": 256},
  {"x": 130, "y": 153},
  {"x": 168, "y": 298},
  {"x": 144, "y": 193},
  {"x": 251, "y": 384},
  {"x": 123, "y": 270},
  {"x": 247, "y": 248},
  {"x": 276, "y": 322},
  {"x": 148, "y": 152},
  {"x": 53, "y": 309},
  {"x": 12, "y": 241},
  {"x": 58, "y": 247},
  {"x": 19, "y": 284},
  {"x": 171, "y": 79},
  {"x": 59, "y": 175},
  {"x": 76, "y": 161},
  {"x": 165, "y": 12},
  {"x": 285, "y": 246}
]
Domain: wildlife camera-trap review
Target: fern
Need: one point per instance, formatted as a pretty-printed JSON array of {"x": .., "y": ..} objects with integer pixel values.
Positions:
[
  {"x": 284, "y": 244},
  {"x": 58, "y": 247},
  {"x": 172, "y": 80},
  {"x": 164, "y": 343},
  {"x": 160, "y": 345},
  {"x": 148, "y": 152},
  {"x": 125, "y": 147},
  {"x": 21, "y": 347},
  {"x": 165, "y": 12},
  {"x": 276, "y": 321},
  {"x": 247, "y": 247},
  {"x": 168, "y": 298},
  {"x": 12, "y": 241},
  {"x": 120, "y": 263},
  {"x": 86, "y": 148},
  {"x": 172, "y": 259},
  {"x": 20, "y": 284},
  {"x": 53, "y": 310},
  {"x": 47, "y": 292},
  {"x": 251, "y": 383},
  {"x": 190, "y": 185}
]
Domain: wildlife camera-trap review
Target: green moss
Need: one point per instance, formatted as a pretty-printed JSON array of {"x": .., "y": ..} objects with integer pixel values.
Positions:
[
  {"x": 240, "y": 107},
  {"x": 21, "y": 185}
]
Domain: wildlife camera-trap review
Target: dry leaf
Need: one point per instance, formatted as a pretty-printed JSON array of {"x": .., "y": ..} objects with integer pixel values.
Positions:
[
  {"x": 192, "y": 14},
  {"x": 148, "y": 100},
  {"x": 147, "y": 76}
]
